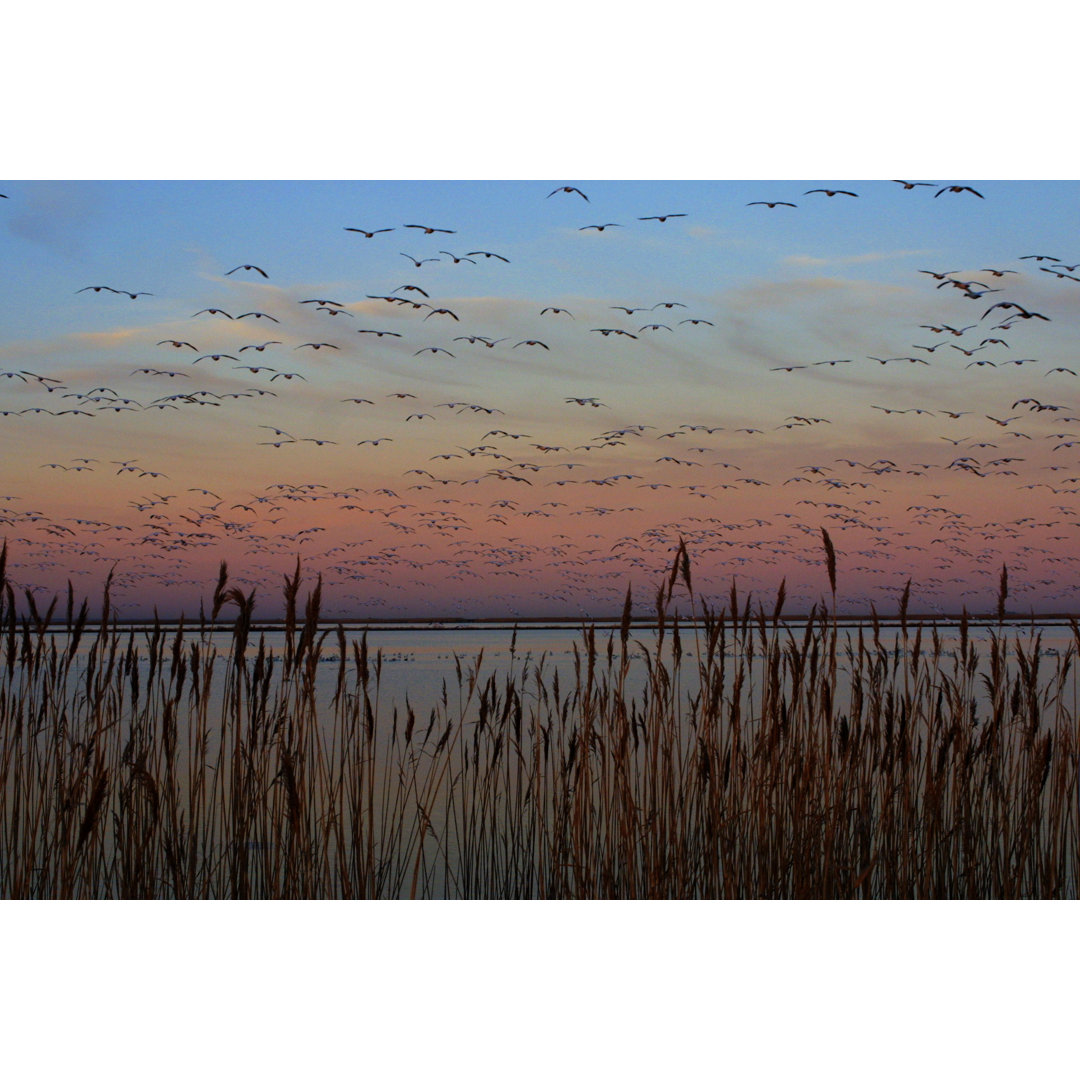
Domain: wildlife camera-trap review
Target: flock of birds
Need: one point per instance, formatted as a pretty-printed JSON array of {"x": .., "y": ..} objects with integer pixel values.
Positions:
[{"x": 413, "y": 505}]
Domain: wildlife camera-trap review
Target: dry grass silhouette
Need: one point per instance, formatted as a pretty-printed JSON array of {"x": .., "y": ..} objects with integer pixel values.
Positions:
[{"x": 751, "y": 759}]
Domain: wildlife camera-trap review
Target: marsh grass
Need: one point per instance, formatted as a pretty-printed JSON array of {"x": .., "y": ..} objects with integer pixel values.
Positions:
[{"x": 733, "y": 756}]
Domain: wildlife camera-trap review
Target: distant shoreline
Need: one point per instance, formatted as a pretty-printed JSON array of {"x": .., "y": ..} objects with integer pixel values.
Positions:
[{"x": 450, "y": 625}]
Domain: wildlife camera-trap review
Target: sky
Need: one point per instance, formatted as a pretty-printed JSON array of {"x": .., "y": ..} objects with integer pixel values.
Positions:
[
  {"x": 519, "y": 413},
  {"x": 492, "y": 432}
]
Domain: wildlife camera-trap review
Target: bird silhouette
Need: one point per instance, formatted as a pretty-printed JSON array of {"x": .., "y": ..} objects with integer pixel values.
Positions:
[
  {"x": 566, "y": 189},
  {"x": 247, "y": 266},
  {"x": 956, "y": 188}
]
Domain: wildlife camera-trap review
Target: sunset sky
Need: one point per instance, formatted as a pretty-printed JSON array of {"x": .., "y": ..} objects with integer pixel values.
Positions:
[
  {"x": 545, "y": 469},
  {"x": 523, "y": 478}
]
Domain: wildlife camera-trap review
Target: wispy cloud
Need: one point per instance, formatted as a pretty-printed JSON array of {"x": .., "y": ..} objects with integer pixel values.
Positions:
[{"x": 848, "y": 260}]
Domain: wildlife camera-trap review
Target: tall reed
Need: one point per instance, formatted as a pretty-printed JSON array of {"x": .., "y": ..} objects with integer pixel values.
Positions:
[{"x": 724, "y": 754}]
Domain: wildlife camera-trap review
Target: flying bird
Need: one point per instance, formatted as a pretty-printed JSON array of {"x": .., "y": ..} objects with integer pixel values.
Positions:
[
  {"x": 488, "y": 255},
  {"x": 569, "y": 191},
  {"x": 417, "y": 262},
  {"x": 956, "y": 188},
  {"x": 247, "y": 266}
]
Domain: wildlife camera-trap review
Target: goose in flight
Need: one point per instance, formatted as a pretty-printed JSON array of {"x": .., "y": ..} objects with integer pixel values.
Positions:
[
  {"x": 770, "y": 205},
  {"x": 1021, "y": 312},
  {"x": 417, "y": 262},
  {"x": 660, "y": 217},
  {"x": 830, "y": 192},
  {"x": 957, "y": 189},
  {"x": 568, "y": 190},
  {"x": 247, "y": 266},
  {"x": 429, "y": 229},
  {"x": 909, "y": 185},
  {"x": 369, "y": 233}
]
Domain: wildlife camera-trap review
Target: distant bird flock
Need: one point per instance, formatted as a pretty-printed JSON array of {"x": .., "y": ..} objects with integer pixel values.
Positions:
[{"x": 431, "y": 458}]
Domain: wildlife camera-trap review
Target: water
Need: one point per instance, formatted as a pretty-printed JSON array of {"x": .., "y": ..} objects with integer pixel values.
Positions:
[{"x": 418, "y": 657}]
